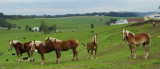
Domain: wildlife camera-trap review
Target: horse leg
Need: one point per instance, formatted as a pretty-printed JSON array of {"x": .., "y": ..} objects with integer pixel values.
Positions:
[
  {"x": 96, "y": 53},
  {"x": 59, "y": 56},
  {"x": 28, "y": 56},
  {"x": 31, "y": 56},
  {"x": 91, "y": 53},
  {"x": 88, "y": 53},
  {"x": 76, "y": 55},
  {"x": 146, "y": 47},
  {"x": 18, "y": 56},
  {"x": 73, "y": 54},
  {"x": 133, "y": 52},
  {"x": 43, "y": 60},
  {"x": 21, "y": 57}
]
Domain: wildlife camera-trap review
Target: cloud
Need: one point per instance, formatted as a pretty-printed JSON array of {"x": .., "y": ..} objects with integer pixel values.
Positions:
[{"x": 53, "y": 7}]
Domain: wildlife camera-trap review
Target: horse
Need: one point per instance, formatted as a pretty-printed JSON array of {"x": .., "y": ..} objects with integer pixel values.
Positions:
[
  {"x": 92, "y": 45},
  {"x": 41, "y": 48},
  {"x": 136, "y": 39},
  {"x": 153, "y": 25},
  {"x": 64, "y": 46},
  {"x": 21, "y": 48}
]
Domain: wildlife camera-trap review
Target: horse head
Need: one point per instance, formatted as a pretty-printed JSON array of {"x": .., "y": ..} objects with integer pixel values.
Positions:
[
  {"x": 33, "y": 46},
  {"x": 11, "y": 44},
  {"x": 124, "y": 35}
]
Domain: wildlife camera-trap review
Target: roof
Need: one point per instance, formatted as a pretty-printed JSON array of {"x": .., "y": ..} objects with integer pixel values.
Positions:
[
  {"x": 120, "y": 21},
  {"x": 135, "y": 20}
]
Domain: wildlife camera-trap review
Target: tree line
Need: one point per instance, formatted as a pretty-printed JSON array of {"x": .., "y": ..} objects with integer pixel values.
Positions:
[
  {"x": 43, "y": 27},
  {"x": 4, "y": 23},
  {"x": 114, "y": 14}
]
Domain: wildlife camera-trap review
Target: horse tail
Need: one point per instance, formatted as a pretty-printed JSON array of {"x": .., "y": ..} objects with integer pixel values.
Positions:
[{"x": 78, "y": 46}]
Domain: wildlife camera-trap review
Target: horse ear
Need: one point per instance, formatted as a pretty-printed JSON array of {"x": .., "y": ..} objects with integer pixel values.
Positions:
[
  {"x": 9, "y": 40},
  {"x": 30, "y": 41},
  {"x": 34, "y": 41}
]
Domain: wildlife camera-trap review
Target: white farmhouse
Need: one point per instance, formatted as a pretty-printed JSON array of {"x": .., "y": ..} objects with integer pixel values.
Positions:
[
  {"x": 35, "y": 28},
  {"x": 127, "y": 21}
]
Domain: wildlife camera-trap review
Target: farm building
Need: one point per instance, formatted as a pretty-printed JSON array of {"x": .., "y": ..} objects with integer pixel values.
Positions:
[
  {"x": 152, "y": 17},
  {"x": 126, "y": 21},
  {"x": 35, "y": 28}
]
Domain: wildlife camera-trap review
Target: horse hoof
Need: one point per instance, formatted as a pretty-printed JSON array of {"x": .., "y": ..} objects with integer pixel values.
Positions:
[
  {"x": 42, "y": 63},
  {"x": 145, "y": 57},
  {"x": 59, "y": 62},
  {"x": 77, "y": 59},
  {"x": 72, "y": 59}
]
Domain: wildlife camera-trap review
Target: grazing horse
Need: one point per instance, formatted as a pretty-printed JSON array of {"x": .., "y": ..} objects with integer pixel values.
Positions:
[
  {"x": 92, "y": 45},
  {"x": 64, "y": 46},
  {"x": 137, "y": 39},
  {"x": 21, "y": 48}
]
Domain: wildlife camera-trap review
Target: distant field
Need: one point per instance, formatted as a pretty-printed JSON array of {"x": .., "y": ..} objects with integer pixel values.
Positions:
[{"x": 66, "y": 23}]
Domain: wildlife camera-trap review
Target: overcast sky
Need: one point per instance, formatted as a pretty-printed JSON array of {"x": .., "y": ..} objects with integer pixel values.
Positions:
[{"x": 54, "y": 7}]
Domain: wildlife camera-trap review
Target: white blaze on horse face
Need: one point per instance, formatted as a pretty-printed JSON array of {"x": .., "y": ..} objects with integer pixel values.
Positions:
[{"x": 123, "y": 33}]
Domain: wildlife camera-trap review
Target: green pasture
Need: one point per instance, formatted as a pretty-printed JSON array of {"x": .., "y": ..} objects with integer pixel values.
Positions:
[
  {"x": 66, "y": 23},
  {"x": 113, "y": 52}
]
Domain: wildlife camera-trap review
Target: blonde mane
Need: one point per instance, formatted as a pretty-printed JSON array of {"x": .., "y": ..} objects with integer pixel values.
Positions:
[
  {"x": 94, "y": 38},
  {"x": 37, "y": 43},
  {"x": 14, "y": 41},
  {"x": 53, "y": 39},
  {"x": 127, "y": 32}
]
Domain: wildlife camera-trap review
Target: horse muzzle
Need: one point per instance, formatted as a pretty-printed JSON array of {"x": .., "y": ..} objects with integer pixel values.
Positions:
[{"x": 32, "y": 50}]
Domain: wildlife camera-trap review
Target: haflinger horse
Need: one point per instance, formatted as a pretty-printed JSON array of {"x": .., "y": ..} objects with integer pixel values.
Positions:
[
  {"x": 42, "y": 48},
  {"x": 21, "y": 48},
  {"x": 64, "y": 46},
  {"x": 92, "y": 45},
  {"x": 136, "y": 39}
]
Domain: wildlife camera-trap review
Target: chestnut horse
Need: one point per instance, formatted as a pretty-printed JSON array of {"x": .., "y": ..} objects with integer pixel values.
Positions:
[
  {"x": 64, "y": 46},
  {"x": 137, "y": 39},
  {"x": 92, "y": 45},
  {"x": 21, "y": 48},
  {"x": 42, "y": 48}
]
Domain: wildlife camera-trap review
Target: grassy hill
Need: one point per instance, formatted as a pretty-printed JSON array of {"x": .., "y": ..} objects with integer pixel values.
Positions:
[
  {"x": 65, "y": 23},
  {"x": 113, "y": 52}
]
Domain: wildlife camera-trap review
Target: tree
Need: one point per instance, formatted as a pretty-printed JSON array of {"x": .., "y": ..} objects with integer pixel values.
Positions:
[
  {"x": 27, "y": 27},
  {"x": 52, "y": 27},
  {"x": 19, "y": 27},
  {"x": 113, "y": 20},
  {"x": 44, "y": 27},
  {"x": 9, "y": 26}
]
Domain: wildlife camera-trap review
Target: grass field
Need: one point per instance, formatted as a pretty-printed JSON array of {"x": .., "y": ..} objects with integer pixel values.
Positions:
[
  {"x": 66, "y": 23},
  {"x": 113, "y": 52}
]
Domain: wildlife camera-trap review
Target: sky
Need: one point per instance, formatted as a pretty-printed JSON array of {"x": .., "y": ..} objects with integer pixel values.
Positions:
[{"x": 58, "y": 7}]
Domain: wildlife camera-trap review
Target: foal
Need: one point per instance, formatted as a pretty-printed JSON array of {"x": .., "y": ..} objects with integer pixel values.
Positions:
[
  {"x": 137, "y": 39},
  {"x": 21, "y": 48},
  {"x": 92, "y": 45}
]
